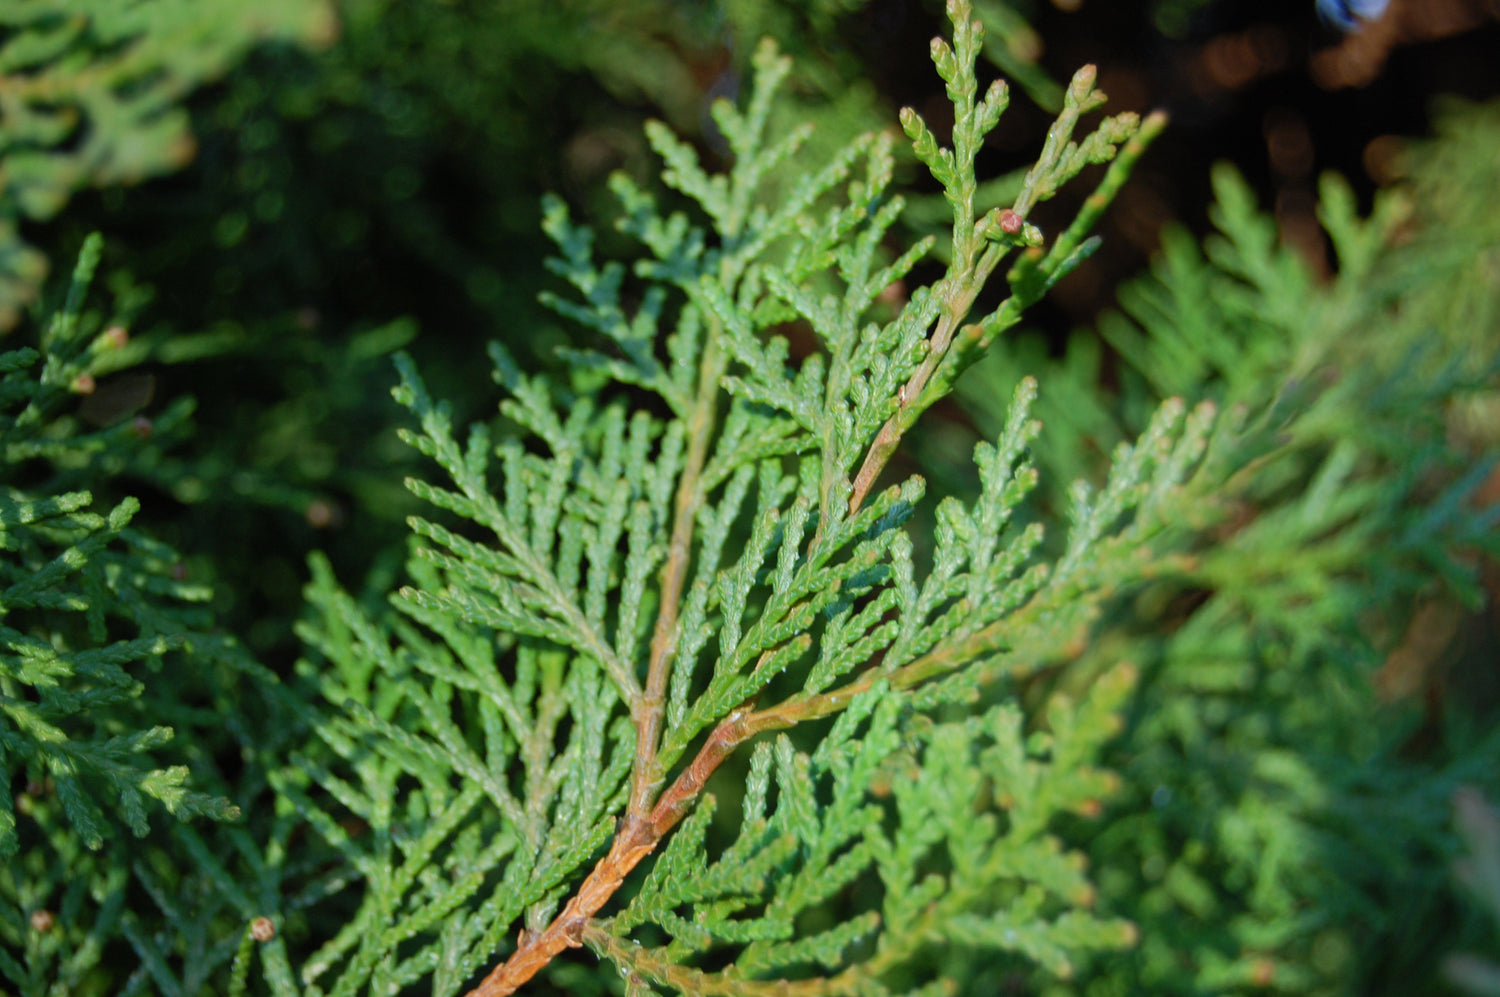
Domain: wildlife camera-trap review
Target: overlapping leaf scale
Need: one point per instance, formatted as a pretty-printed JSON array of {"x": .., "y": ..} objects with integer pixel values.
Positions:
[
  {"x": 806, "y": 580},
  {"x": 67, "y": 679},
  {"x": 560, "y": 524},
  {"x": 425, "y": 855},
  {"x": 635, "y": 336},
  {"x": 816, "y": 839},
  {"x": 998, "y": 880}
]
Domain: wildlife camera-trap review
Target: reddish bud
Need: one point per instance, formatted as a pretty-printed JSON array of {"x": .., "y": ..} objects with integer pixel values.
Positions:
[
  {"x": 1010, "y": 222},
  {"x": 41, "y": 920},
  {"x": 262, "y": 929},
  {"x": 321, "y": 514},
  {"x": 895, "y": 295},
  {"x": 115, "y": 336},
  {"x": 83, "y": 384}
]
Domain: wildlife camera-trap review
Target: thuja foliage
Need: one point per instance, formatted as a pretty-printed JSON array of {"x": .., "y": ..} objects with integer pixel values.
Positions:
[
  {"x": 73, "y": 578},
  {"x": 1363, "y": 510},
  {"x": 693, "y": 546},
  {"x": 1288, "y": 763},
  {"x": 320, "y": 203},
  {"x": 104, "y": 649},
  {"x": 686, "y": 674}
]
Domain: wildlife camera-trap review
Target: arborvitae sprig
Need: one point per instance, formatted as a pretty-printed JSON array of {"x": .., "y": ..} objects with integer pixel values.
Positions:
[
  {"x": 635, "y": 594},
  {"x": 1276, "y": 789},
  {"x": 73, "y": 576},
  {"x": 104, "y": 650}
]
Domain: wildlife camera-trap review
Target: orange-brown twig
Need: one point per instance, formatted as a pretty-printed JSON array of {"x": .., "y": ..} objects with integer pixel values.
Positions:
[{"x": 636, "y": 838}]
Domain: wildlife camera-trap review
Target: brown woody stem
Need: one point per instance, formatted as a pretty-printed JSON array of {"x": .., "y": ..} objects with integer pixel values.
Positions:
[
  {"x": 960, "y": 289},
  {"x": 636, "y": 839},
  {"x": 646, "y": 772}
]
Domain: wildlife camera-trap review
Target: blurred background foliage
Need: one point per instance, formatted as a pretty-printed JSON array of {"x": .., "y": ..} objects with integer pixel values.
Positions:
[{"x": 291, "y": 191}]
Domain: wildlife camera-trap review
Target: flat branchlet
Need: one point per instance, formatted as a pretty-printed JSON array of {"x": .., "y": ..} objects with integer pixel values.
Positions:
[{"x": 710, "y": 548}]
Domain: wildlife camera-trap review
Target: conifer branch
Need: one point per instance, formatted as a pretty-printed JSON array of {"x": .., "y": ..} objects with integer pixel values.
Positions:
[
  {"x": 619, "y": 605},
  {"x": 646, "y": 775},
  {"x": 848, "y": 540},
  {"x": 651, "y": 964},
  {"x": 978, "y": 247}
]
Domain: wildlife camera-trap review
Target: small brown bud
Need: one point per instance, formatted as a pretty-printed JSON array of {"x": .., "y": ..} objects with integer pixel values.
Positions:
[
  {"x": 142, "y": 427},
  {"x": 262, "y": 929},
  {"x": 83, "y": 384},
  {"x": 322, "y": 514},
  {"x": 41, "y": 920},
  {"x": 894, "y": 294},
  {"x": 1010, "y": 222},
  {"x": 116, "y": 336}
]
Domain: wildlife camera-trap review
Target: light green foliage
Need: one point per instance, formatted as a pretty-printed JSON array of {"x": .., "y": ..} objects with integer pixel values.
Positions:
[
  {"x": 1270, "y": 794},
  {"x": 631, "y": 583},
  {"x": 969, "y": 858},
  {"x": 421, "y": 844},
  {"x": 91, "y": 99},
  {"x": 1013, "y": 46}
]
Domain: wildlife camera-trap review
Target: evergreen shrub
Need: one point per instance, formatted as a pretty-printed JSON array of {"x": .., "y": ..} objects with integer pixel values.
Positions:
[{"x": 1171, "y": 689}]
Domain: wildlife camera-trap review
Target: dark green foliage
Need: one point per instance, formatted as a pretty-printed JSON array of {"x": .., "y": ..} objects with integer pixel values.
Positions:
[
  {"x": 89, "y": 605},
  {"x": 104, "y": 650}
]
